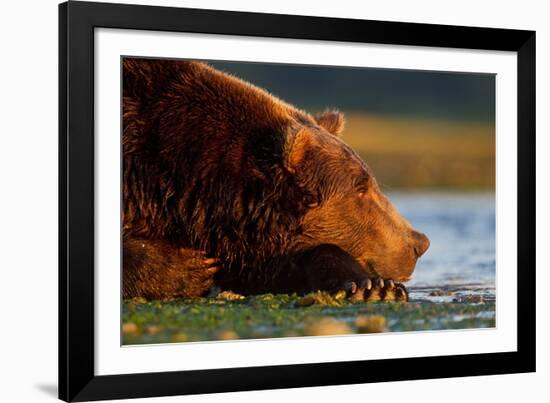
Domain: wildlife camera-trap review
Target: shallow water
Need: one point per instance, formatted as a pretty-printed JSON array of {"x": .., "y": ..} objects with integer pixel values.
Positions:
[{"x": 460, "y": 263}]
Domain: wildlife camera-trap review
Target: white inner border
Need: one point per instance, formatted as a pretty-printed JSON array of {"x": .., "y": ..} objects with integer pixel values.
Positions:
[{"x": 111, "y": 358}]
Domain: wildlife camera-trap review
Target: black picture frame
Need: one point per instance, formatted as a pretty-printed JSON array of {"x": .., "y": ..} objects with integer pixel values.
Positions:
[{"x": 77, "y": 21}]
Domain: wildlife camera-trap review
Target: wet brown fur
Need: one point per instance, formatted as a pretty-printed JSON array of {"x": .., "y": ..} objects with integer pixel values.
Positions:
[{"x": 214, "y": 167}]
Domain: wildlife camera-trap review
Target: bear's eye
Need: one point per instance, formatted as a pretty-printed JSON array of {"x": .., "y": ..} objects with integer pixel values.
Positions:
[
  {"x": 362, "y": 185},
  {"x": 310, "y": 201}
]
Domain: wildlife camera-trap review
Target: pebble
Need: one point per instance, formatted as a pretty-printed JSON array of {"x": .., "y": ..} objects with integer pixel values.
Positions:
[
  {"x": 440, "y": 293},
  {"x": 470, "y": 299},
  {"x": 178, "y": 338},
  {"x": 129, "y": 328},
  {"x": 327, "y": 327},
  {"x": 371, "y": 324},
  {"x": 227, "y": 335},
  {"x": 229, "y": 295},
  {"x": 153, "y": 330}
]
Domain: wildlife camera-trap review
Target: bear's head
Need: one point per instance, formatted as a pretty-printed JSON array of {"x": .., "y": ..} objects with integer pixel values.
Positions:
[{"x": 345, "y": 206}]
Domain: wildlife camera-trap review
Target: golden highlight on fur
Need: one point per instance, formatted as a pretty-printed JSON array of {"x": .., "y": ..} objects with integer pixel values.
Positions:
[{"x": 226, "y": 185}]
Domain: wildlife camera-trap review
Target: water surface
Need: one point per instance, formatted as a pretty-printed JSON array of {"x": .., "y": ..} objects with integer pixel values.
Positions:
[{"x": 461, "y": 260}]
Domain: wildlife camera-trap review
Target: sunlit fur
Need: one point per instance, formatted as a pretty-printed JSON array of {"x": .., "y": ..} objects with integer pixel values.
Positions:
[{"x": 219, "y": 168}]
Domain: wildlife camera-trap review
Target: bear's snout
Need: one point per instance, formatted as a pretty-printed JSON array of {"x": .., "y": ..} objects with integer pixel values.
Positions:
[{"x": 421, "y": 243}]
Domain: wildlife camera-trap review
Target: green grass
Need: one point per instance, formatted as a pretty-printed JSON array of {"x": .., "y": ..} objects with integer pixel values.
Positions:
[{"x": 269, "y": 316}]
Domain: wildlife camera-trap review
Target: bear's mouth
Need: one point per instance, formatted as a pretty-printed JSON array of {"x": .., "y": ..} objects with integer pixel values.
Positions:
[
  {"x": 372, "y": 271},
  {"x": 370, "y": 268}
]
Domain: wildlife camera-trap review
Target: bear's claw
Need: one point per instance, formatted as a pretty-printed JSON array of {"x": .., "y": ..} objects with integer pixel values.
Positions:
[{"x": 377, "y": 289}]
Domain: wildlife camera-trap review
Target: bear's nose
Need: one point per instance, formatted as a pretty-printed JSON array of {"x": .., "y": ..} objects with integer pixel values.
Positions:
[{"x": 421, "y": 243}]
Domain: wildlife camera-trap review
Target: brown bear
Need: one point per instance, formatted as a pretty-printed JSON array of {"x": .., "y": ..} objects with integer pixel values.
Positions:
[{"x": 225, "y": 185}]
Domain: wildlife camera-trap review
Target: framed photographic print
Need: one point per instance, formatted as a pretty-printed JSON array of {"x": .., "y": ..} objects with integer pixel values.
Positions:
[{"x": 255, "y": 201}]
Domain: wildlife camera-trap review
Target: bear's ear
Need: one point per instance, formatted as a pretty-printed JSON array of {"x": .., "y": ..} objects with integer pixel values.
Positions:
[
  {"x": 297, "y": 148},
  {"x": 332, "y": 121}
]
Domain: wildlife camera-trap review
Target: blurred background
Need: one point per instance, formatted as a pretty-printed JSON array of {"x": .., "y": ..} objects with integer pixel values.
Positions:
[{"x": 415, "y": 129}]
